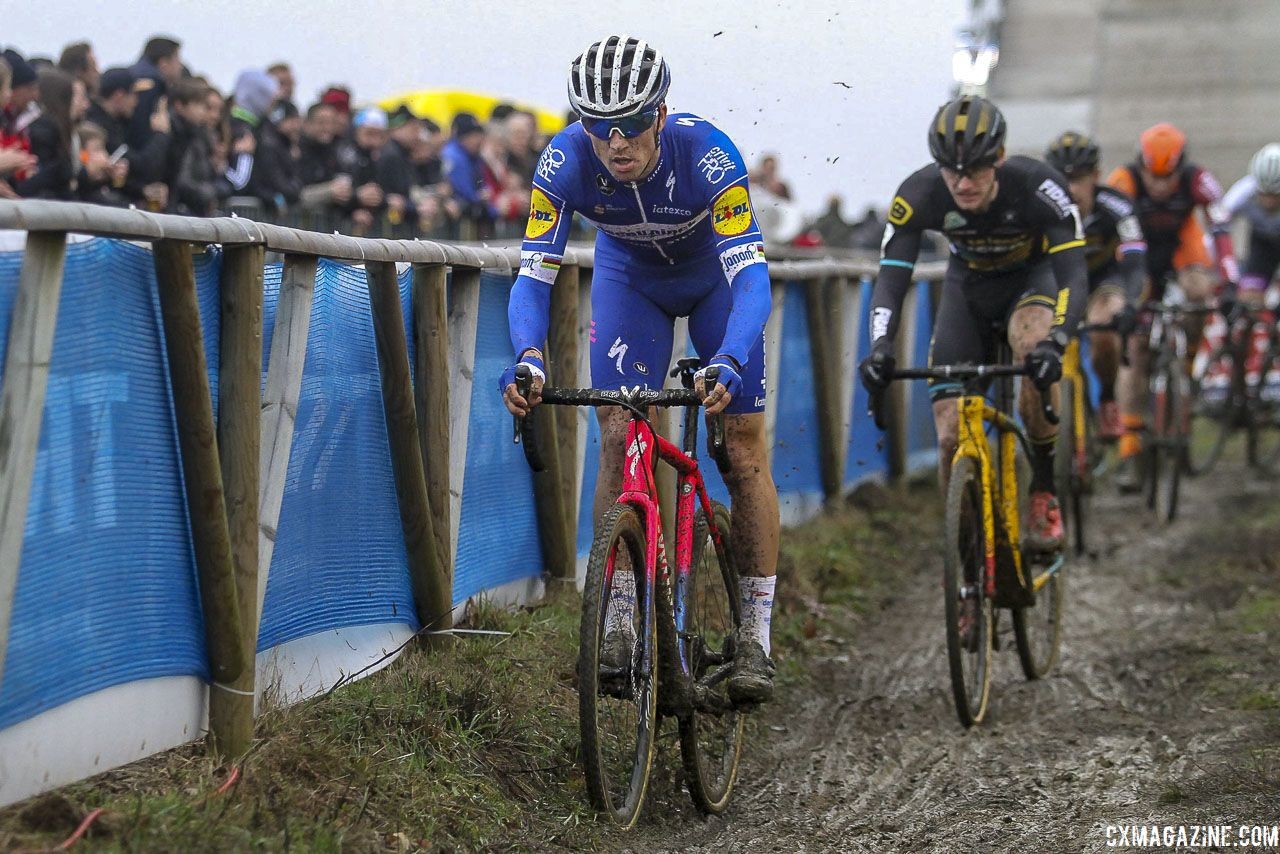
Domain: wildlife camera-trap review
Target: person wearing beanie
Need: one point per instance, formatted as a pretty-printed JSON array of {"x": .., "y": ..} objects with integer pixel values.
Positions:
[
  {"x": 359, "y": 159},
  {"x": 271, "y": 176},
  {"x": 464, "y": 169}
]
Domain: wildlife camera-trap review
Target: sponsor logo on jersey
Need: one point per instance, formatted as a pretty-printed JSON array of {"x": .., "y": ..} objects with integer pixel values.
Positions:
[
  {"x": 953, "y": 220},
  {"x": 671, "y": 187},
  {"x": 549, "y": 163},
  {"x": 900, "y": 211},
  {"x": 715, "y": 164},
  {"x": 542, "y": 215},
  {"x": 880, "y": 318},
  {"x": 641, "y": 368},
  {"x": 731, "y": 212},
  {"x": 670, "y": 211},
  {"x": 1058, "y": 198},
  {"x": 605, "y": 186},
  {"x": 735, "y": 259},
  {"x": 650, "y": 232}
]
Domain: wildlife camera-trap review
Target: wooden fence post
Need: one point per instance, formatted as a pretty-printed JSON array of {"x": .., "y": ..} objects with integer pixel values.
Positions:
[
  {"x": 431, "y": 336},
  {"x": 26, "y": 378},
  {"x": 823, "y": 307},
  {"x": 201, "y": 468},
  {"x": 280, "y": 403},
  {"x": 239, "y": 426},
  {"x": 431, "y": 589},
  {"x": 562, "y": 366}
]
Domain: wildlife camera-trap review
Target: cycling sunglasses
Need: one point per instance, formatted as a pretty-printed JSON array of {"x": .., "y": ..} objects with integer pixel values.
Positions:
[{"x": 630, "y": 127}]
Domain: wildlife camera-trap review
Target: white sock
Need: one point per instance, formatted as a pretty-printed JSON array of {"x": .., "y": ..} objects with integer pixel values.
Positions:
[
  {"x": 757, "y": 608},
  {"x": 620, "y": 613}
]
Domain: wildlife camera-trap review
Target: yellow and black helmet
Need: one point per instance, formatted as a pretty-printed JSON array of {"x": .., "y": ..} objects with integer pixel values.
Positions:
[
  {"x": 1072, "y": 153},
  {"x": 967, "y": 132}
]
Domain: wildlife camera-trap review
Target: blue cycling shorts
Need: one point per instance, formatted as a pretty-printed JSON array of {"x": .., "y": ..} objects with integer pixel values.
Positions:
[{"x": 633, "y": 312}]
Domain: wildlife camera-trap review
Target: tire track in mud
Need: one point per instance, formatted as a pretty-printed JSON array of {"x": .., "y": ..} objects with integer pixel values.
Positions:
[{"x": 867, "y": 753}]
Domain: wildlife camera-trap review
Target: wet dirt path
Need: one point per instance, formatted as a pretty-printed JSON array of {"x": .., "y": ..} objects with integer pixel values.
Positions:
[{"x": 1162, "y": 709}]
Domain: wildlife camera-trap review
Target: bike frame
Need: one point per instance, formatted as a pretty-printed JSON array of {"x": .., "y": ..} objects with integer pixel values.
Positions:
[
  {"x": 975, "y": 413},
  {"x": 1071, "y": 370},
  {"x": 640, "y": 490}
]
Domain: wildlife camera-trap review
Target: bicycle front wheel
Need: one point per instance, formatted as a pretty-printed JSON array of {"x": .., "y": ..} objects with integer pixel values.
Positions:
[
  {"x": 618, "y": 681},
  {"x": 711, "y": 733},
  {"x": 1213, "y": 407},
  {"x": 969, "y": 611},
  {"x": 1168, "y": 440},
  {"x": 1072, "y": 469}
]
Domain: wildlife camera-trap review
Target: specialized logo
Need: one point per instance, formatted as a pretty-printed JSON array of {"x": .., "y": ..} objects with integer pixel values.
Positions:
[
  {"x": 953, "y": 220},
  {"x": 542, "y": 215},
  {"x": 618, "y": 352},
  {"x": 715, "y": 164},
  {"x": 735, "y": 259},
  {"x": 900, "y": 211},
  {"x": 731, "y": 212},
  {"x": 671, "y": 187},
  {"x": 550, "y": 161},
  {"x": 634, "y": 452},
  {"x": 880, "y": 318},
  {"x": 1051, "y": 191}
]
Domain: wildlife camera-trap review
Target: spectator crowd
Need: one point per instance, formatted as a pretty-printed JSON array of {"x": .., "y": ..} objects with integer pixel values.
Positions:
[{"x": 156, "y": 136}]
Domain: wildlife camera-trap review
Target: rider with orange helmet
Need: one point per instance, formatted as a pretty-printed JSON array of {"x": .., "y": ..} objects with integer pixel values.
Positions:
[{"x": 1167, "y": 188}]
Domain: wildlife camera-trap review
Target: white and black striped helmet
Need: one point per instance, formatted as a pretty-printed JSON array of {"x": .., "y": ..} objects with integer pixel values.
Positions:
[
  {"x": 1265, "y": 168},
  {"x": 617, "y": 77}
]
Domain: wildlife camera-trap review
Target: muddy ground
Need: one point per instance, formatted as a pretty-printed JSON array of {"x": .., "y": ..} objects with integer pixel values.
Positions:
[{"x": 1165, "y": 707}]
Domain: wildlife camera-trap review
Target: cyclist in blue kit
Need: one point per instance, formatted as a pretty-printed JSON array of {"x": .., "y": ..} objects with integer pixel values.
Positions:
[{"x": 676, "y": 238}]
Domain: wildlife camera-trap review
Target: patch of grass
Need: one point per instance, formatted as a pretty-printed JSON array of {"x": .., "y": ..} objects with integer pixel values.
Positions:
[
  {"x": 1260, "y": 700},
  {"x": 1259, "y": 611},
  {"x": 472, "y": 748}
]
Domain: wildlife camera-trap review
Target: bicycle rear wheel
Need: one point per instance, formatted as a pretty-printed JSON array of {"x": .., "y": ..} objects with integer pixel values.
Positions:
[
  {"x": 618, "y": 707},
  {"x": 1264, "y": 415},
  {"x": 1037, "y": 630},
  {"x": 711, "y": 733},
  {"x": 1213, "y": 407},
  {"x": 969, "y": 612},
  {"x": 1168, "y": 442}
]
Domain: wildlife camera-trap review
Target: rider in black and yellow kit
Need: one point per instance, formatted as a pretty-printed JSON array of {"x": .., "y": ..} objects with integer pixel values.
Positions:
[{"x": 1017, "y": 271}]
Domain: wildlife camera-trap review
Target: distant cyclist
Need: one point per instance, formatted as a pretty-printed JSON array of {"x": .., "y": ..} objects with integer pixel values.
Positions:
[
  {"x": 1017, "y": 272},
  {"x": 1116, "y": 254},
  {"x": 1255, "y": 198},
  {"x": 1167, "y": 189},
  {"x": 677, "y": 238}
]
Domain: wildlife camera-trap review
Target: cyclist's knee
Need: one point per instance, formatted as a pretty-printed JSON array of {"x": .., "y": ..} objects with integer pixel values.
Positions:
[
  {"x": 1028, "y": 327},
  {"x": 1195, "y": 283}
]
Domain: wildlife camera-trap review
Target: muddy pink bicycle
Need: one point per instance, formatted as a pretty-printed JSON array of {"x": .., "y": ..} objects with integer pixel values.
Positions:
[{"x": 641, "y": 628}]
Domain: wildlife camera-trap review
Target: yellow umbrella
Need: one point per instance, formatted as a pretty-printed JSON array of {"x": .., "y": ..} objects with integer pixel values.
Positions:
[{"x": 441, "y": 106}]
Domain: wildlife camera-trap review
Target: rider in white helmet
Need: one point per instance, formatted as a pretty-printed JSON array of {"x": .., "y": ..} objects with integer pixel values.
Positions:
[{"x": 1255, "y": 198}]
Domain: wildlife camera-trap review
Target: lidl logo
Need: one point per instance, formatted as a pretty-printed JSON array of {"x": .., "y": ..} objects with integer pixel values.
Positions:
[
  {"x": 731, "y": 212},
  {"x": 542, "y": 215}
]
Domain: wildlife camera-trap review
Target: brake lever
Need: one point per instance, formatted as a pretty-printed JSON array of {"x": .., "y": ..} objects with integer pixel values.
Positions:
[{"x": 524, "y": 434}]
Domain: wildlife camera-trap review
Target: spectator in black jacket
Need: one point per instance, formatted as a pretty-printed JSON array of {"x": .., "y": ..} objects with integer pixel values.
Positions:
[
  {"x": 395, "y": 169},
  {"x": 359, "y": 159},
  {"x": 273, "y": 178},
  {"x": 326, "y": 190},
  {"x": 62, "y": 104},
  {"x": 159, "y": 68},
  {"x": 189, "y": 169},
  {"x": 96, "y": 183}
]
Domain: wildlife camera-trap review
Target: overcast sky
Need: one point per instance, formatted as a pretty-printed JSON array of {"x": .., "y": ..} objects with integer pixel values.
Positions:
[{"x": 768, "y": 72}]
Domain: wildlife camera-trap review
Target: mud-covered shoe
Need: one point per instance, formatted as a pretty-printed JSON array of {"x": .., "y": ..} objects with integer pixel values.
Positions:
[
  {"x": 752, "y": 678},
  {"x": 616, "y": 654},
  {"x": 1110, "y": 425},
  {"x": 1129, "y": 475},
  {"x": 1044, "y": 523}
]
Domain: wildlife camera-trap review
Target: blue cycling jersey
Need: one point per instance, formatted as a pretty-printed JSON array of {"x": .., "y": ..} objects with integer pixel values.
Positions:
[{"x": 693, "y": 206}]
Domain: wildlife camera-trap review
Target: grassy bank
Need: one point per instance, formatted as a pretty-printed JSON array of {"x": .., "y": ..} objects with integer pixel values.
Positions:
[{"x": 470, "y": 749}]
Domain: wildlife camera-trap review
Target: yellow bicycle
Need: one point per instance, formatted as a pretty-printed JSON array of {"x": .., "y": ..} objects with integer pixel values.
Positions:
[
  {"x": 1079, "y": 453},
  {"x": 985, "y": 565}
]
